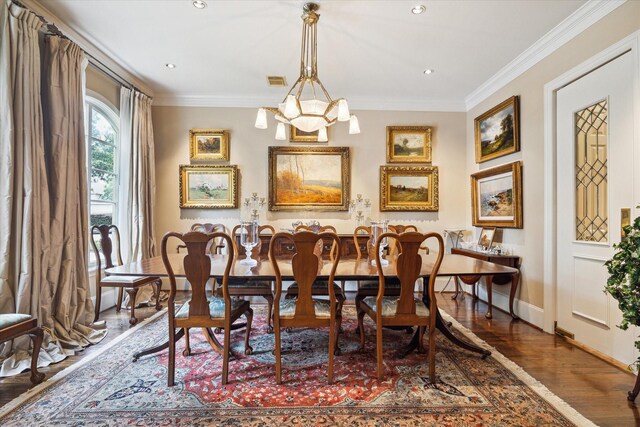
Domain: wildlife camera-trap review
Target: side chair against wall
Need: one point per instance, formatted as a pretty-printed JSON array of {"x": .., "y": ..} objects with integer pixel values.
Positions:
[
  {"x": 304, "y": 310},
  {"x": 201, "y": 311},
  {"x": 405, "y": 309},
  {"x": 261, "y": 288},
  {"x": 320, "y": 286},
  {"x": 130, "y": 284},
  {"x": 15, "y": 325}
]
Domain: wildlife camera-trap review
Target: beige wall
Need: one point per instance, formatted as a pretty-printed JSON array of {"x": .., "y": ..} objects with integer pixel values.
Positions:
[
  {"x": 528, "y": 242},
  {"x": 248, "y": 149},
  {"x": 104, "y": 86}
]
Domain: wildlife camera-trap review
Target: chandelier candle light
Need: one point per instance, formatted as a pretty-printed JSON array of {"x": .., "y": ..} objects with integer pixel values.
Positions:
[{"x": 308, "y": 106}]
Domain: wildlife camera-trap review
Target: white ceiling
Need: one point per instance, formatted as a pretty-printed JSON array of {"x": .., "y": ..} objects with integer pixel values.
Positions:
[{"x": 370, "y": 52}]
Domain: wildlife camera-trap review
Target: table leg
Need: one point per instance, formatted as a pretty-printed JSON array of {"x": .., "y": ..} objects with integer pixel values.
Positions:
[
  {"x": 515, "y": 279},
  {"x": 489, "y": 282},
  {"x": 631, "y": 396},
  {"x": 157, "y": 348},
  {"x": 455, "y": 279}
]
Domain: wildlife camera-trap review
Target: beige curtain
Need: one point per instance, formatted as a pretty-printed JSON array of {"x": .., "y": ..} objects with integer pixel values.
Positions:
[
  {"x": 137, "y": 200},
  {"x": 36, "y": 277}
]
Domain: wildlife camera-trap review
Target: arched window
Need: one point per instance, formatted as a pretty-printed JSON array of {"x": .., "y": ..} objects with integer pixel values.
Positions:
[{"x": 103, "y": 139}]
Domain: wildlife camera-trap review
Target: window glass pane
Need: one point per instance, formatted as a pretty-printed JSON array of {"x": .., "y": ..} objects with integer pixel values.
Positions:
[
  {"x": 102, "y": 185},
  {"x": 101, "y": 213},
  {"x": 591, "y": 173},
  {"x": 102, "y": 156},
  {"x": 101, "y": 128}
]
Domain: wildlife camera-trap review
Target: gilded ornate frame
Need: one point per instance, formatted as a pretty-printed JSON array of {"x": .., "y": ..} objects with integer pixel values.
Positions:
[
  {"x": 230, "y": 202},
  {"x": 512, "y": 221},
  {"x": 195, "y": 154},
  {"x": 432, "y": 203},
  {"x": 345, "y": 187},
  {"x": 514, "y": 102},
  {"x": 425, "y": 131},
  {"x": 294, "y": 136}
]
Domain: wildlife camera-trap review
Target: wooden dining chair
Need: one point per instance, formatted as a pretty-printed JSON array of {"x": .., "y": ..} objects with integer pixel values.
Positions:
[
  {"x": 130, "y": 284},
  {"x": 201, "y": 311},
  {"x": 260, "y": 288},
  {"x": 207, "y": 228},
  {"x": 15, "y": 325},
  {"x": 304, "y": 310},
  {"x": 320, "y": 286},
  {"x": 405, "y": 309}
]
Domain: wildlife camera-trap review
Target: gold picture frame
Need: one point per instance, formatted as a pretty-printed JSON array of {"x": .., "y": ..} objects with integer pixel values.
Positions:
[
  {"x": 496, "y": 196},
  {"x": 296, "y": 135},
  {"x": 209, "y": 144},
  {"x": 497, "y": 132},
  {"x": 486, "y": 236},
  {"x": 409, "y": 188},
  {"x": 208, "y": 186},
  {"x": 309, "y": 178},
  {"x": 408, "y": 144}
]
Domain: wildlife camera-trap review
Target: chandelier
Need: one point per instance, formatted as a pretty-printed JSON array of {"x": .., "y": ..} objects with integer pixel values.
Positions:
[{"x": 308, "y": 106}]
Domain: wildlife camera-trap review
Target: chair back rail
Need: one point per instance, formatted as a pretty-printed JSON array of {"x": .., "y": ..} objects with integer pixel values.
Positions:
[
  {"x": 106, "y": 247},
  {"x": 361, "y": 230},
  {"x": 398, "y": 229},
  {"x": 210, "y": 228},
  {"x": 255, "y": 252},
  {"x": 334, "y": 246},
  {"x": 306, "y": 265}
]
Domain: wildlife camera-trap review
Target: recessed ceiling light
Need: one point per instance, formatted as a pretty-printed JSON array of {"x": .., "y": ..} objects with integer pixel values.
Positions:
[
  {"x": 170, "y": 65},
  {"x": 199, "y": 4},
  {"x": 418, "y": 9},
  {"x": 428, "y": 71}
]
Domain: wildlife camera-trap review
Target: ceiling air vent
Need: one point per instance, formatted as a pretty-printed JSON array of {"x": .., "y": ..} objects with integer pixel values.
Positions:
[{"x": 277, "y": 80}]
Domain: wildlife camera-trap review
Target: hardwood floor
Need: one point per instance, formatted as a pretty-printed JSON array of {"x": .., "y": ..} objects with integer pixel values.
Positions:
[{"x": 593, "y": 387}]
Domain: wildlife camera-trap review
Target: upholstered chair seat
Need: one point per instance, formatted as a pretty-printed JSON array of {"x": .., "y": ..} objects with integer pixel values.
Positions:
[
  {"x": 390, "y": 306},
  {"x": 321, "y": 308},
  {"x": 216, "y": 307},
  {"x": 7, "y": 320}
]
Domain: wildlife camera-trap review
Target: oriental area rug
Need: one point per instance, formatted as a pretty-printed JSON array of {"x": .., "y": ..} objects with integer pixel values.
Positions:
[{"x": 109, "y": 389}]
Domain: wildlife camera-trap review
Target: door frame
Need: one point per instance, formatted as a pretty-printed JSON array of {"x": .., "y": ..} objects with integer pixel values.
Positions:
[{"x": 630, "y": 43}]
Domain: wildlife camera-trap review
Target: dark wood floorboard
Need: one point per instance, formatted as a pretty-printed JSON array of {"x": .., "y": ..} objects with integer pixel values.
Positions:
[{"x": 593, "y": 387}]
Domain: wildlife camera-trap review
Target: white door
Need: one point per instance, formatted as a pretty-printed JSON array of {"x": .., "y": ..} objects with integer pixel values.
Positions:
[{"x": 595, "y": 178}]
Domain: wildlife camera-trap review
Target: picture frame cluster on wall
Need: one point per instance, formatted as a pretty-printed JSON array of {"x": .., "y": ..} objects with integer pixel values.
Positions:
[
  {"x": 409, "y": 188},
  {"x": 207, "y": 186},
  {"x": 309, "y": 178}
]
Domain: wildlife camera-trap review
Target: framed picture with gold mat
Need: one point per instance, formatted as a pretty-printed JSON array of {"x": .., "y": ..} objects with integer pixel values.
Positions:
[{"x": 409, "y": 188}]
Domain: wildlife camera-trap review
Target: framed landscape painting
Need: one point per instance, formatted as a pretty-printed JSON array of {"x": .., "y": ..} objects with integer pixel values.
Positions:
[
  {"x": 309, "y": 178},
  {"x": 208, "y": 187},
  {"x": 408, "y": 144},
  {"x": 209, "y": 144},
  {"x": 496, "y": 196},
  {"x": 297, "y": 135},
  {"x": 497, "y": 132},
  {"x": 409, "y": 188}
]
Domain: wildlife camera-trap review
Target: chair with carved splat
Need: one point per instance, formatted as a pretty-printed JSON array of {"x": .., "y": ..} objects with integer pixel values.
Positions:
[
  {"x": 260, "y": 288},
  {"x": 201, "y": 311},
  {"x": 304, "y": 310},
  {"x": 320, "y": 286},
  {"x": 208, "y": 227},
  {"x": 130, "y": 284},
  {"x": 15, "y": 325},
  {"x": 405, "y": 309}
]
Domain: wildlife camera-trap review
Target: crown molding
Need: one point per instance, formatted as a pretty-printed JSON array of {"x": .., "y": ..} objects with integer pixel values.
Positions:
[
  {"x": 167, "y": 99},
  {"x": 587, "y": 15},
  {"x": 92, "y": 47}
]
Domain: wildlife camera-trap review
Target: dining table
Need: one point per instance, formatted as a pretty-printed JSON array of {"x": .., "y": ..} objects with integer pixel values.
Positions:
[{"x": 348, "y": 269}]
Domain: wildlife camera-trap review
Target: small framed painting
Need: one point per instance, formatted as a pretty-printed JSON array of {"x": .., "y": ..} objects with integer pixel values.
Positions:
[
  {"x": 497, "y": 132},
  {"x": 408, "y": 144},
  {"x": 486, "y": 236},
  {"x": 297, "y": 135},
  {"x": 208, "y": 187},
  {"x": 409, "y": 188},
  {"x": 309, "y": 178},
  {"x": 209, "y": 144},
  {"x": 496, "y": 196}
]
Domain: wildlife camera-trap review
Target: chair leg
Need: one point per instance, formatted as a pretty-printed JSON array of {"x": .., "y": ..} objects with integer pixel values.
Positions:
[
  {"x": 187, "y": 347},
  {"x": 432, "y": 356},
  {"x": 421, "y": 348},
  {"x": 269, "y": 299},
  {"x": 337, "y": 350},
  {"x": 359, "y": 310},
  {"x": 119, "y": 302},
  {"x": 36, "y": 335},
  {"x": 380, "y": 368},
  {"x": 278, "y": 351},
  {"x": 248, "y": 350},
  {"x": 225, "y": 354},
  {"x": 157, "y": 286},
  {"x": 332, "y": 348},
  {"x": 171, "y": 368},
  {"x": 132, "y": 300},
  {"x": 98, "y": 300},
  {"x": 361, "y": 314}
]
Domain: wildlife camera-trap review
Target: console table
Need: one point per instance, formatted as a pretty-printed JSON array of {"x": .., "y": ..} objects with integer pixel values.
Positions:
[{"x": 499, "y": 279}]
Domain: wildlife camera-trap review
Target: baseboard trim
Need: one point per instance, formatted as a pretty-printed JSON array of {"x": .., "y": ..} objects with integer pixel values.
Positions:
[{"x": 605, "y": 358}]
